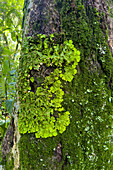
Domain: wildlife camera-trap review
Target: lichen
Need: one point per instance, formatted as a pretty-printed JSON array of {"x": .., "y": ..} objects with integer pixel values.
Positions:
[{"x": 45, "y": 116}]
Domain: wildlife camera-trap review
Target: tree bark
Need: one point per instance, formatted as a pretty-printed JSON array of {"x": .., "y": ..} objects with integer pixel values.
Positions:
[{"x": 87, "y": 142}]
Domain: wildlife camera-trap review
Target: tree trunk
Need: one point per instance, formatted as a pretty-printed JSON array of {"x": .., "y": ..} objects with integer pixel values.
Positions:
[{"x": 86, "y": 143}]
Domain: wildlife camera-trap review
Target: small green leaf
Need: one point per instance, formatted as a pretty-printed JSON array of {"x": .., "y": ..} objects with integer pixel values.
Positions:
[
  {"x": 9, "y": 105},
  {"x": 6, "y": 66},
  {"x": 32, "y": 79},
  {"x": 30, "y": 67},
  {"x": 29, "y": 88}
]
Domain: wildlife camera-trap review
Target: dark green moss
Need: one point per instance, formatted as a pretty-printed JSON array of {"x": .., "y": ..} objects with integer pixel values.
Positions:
[
  {"x": 86, "y": 142},
  {"x": 38, "y": 154}
]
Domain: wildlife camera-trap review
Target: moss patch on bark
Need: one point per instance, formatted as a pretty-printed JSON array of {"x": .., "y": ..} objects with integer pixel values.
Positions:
[{"x": 86, "y": 144}]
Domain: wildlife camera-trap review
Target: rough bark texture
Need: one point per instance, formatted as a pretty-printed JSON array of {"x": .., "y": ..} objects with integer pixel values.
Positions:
[
  {"x": 86, "y": 143},
  {"x": 40, "y": 17},
  {"x": 102, "y": 6}
]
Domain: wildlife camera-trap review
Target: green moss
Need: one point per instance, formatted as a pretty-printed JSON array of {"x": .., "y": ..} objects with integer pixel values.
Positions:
[
  {"x": 40, "y": 153},
  {"x": 8, "y": 162},
  {"x": 88, "y": 98},
  {"x": 110, "y": 3}
]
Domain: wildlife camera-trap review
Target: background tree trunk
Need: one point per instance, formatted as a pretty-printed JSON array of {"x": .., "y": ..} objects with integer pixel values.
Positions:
[{"x": 86, "y": 143}]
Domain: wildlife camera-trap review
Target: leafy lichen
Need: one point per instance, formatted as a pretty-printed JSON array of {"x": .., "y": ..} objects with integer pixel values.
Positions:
[{"x": 41, "y": 110}]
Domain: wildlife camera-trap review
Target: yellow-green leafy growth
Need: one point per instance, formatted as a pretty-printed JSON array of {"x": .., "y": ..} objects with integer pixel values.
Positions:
[{"x": 44, "y": 66}]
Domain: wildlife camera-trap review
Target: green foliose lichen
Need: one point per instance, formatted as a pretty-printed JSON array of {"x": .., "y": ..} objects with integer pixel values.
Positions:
[{"x": 41, "y": 109}]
